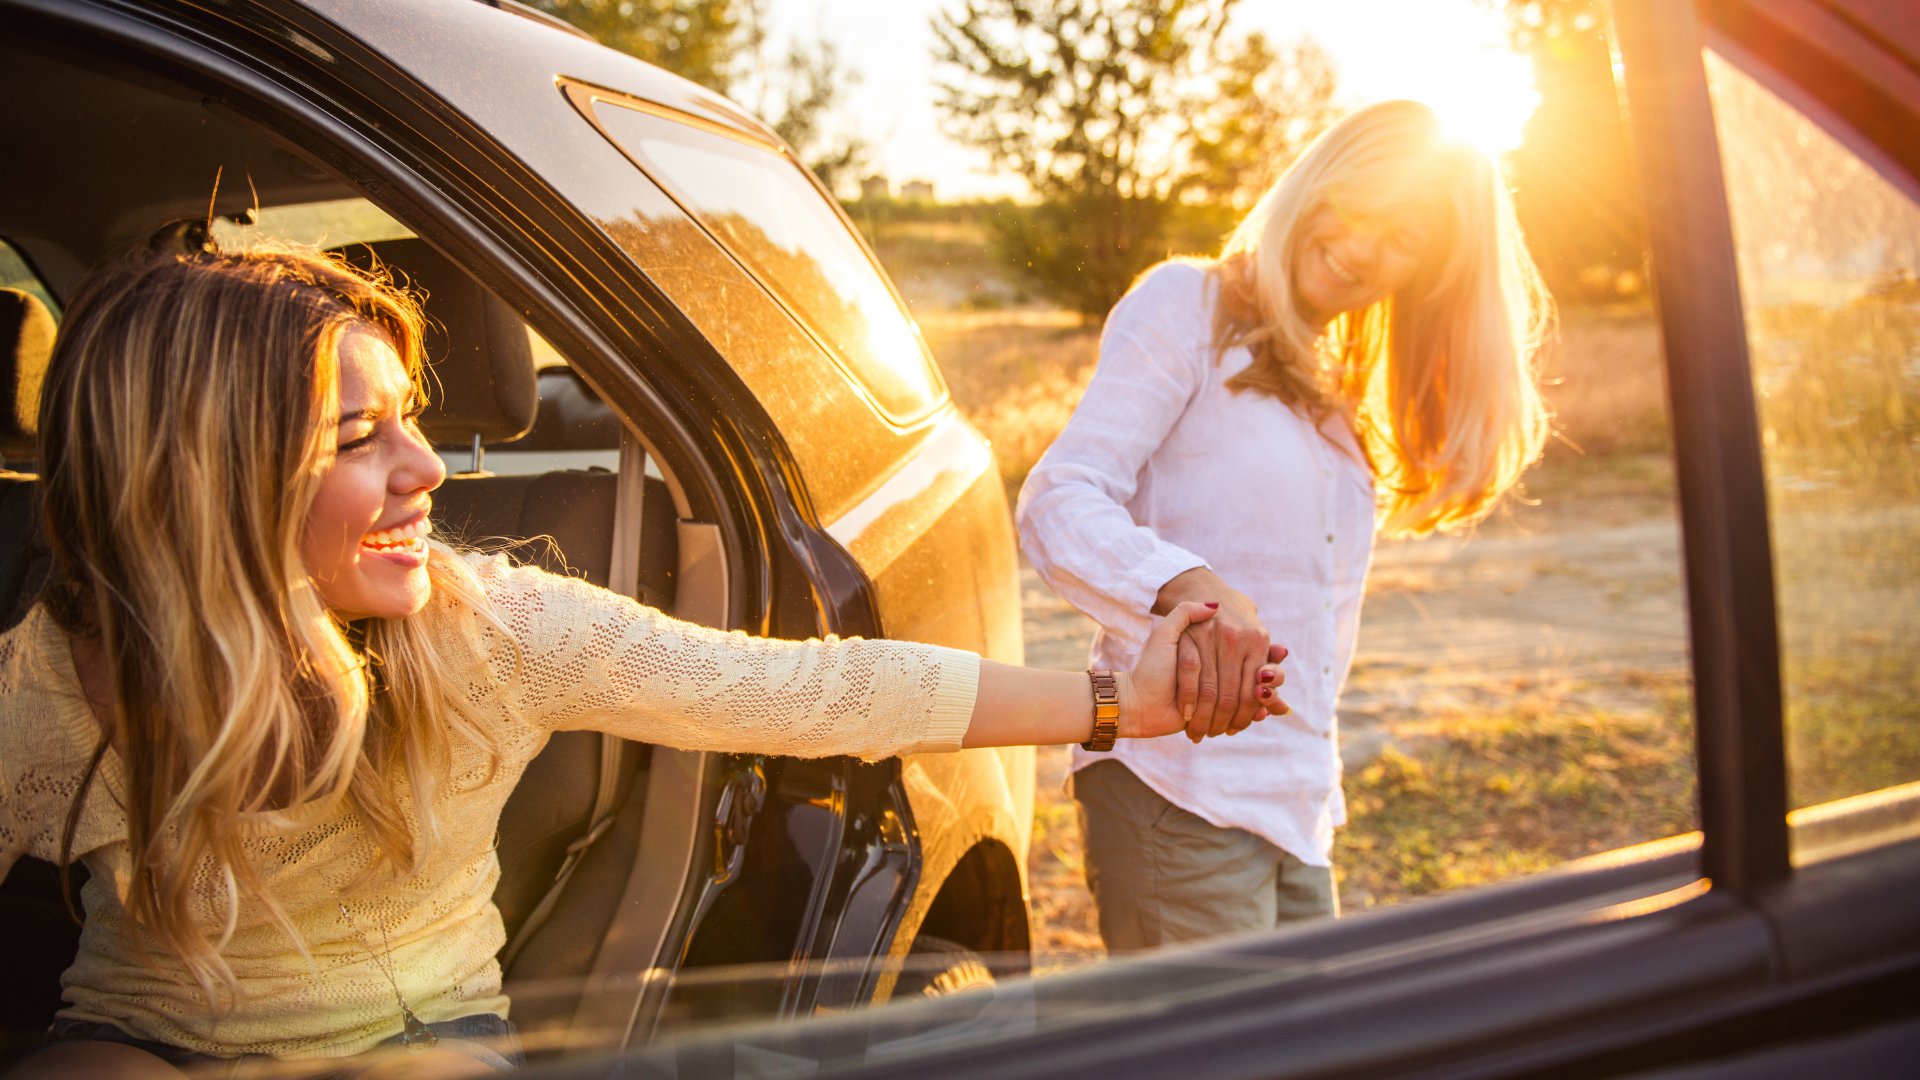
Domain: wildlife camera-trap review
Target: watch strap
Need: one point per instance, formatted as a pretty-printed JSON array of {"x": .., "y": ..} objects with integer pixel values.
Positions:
[{"x": 1106, "y": 711}]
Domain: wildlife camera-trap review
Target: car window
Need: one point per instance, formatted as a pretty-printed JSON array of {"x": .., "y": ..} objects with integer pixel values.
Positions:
[
  {"x": 766, "y": 212},
  {"x": 1829, "y": 263},
  {"x": 328, "y": 224},
  {"x": 15, "y": 273}
]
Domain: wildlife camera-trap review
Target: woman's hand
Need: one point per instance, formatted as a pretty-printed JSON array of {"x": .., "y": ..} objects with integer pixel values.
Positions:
[
  {"x": 1231, "y": 650},
  {"x": 1162, "y": 689}
]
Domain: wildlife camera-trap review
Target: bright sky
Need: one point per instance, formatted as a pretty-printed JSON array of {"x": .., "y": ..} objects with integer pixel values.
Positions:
[{"x": 1450, "y": 53}]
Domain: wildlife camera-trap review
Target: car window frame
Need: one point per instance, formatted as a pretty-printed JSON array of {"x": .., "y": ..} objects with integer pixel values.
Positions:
[{"x": 1739, "y": 736}]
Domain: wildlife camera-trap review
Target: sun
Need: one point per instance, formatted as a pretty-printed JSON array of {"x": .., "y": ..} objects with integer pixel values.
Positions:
[
  {"x": 1457, "y": 60},
  {"x": 1488, "y": 102}
]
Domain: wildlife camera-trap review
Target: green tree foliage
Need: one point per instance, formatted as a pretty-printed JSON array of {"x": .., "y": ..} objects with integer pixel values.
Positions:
[
  {"x": 1574, "y": 184},
  {"x": 721, "y": 44},
  {"x": 1119, "y": 114},
  {"x": 699, "y": 39},
  {"x": 1265, "y": 104},
  {"x": 811, "y": 87}
]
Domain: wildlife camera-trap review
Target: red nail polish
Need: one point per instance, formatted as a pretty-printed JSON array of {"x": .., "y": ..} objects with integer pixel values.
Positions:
[
  {"x": 1266, "y": 676},
  {"x": 1215, "y": 604},
  {"x": 1266, "y": 692}
]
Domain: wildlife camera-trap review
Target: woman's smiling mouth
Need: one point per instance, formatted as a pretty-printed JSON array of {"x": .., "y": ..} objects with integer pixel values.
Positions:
[
  {"x": 407, "y": 539},
  {"x": 1340, "y": 270}
]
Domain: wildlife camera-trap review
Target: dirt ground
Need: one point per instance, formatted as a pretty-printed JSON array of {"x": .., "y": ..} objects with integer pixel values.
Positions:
[{"x": 1582, "y": 591}]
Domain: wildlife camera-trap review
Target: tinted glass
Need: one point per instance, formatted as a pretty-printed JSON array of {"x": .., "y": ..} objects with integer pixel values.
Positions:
[
  {"x": 329, "y": 224},
  {"x": 768, "y": 215},
  {"x": 16, "y": 274},
  {"x": 1828, "y": 255}
]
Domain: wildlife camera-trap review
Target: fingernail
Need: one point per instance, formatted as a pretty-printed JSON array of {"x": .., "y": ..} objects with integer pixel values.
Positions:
[
  {"x": 1186, "y": 713},
  {"x": 1214, "y": 604},
  {"x": 1266, "y": 676},
  {"x": 1266, "y": 691}
]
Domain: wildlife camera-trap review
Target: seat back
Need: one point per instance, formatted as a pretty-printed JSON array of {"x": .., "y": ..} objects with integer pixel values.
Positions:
[{"x": 26, "y": 341}]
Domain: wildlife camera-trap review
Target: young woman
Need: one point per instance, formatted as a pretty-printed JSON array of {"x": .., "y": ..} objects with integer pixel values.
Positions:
[
  {"x": 278, "y": 721},
  {"x": 1362, "y": 350}
]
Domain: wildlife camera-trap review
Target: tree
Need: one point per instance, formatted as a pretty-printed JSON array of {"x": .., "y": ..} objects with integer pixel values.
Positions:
[
  {"x": 1264, "y": 106},
  {"x": 810, "y": 88},
  {"x": 1098, "y": 105},
  {"x": 699, "y": 39},
  {"x": 721, "y": 44},
  {"x": 1574, "y": 186}
]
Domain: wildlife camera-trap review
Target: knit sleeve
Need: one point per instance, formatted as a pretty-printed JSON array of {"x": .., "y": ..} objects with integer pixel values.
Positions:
[{"x": 590, "y": 658}]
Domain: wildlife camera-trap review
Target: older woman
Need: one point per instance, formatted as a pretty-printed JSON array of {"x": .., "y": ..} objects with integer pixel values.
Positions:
[{"x": 1362, "y": 350}]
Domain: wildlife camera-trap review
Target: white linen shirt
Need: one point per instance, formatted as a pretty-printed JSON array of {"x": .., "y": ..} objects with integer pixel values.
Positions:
[{"x": 1162, "y": 469}]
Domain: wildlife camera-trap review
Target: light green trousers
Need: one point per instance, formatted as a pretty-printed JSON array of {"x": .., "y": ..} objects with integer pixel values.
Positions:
[{"x": 1160, "y": 874}]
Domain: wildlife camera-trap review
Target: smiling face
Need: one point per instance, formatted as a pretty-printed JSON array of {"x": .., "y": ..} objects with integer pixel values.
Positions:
[
  {"x": 1343, "y": 262},
  {"x": 365, "y": 542}
]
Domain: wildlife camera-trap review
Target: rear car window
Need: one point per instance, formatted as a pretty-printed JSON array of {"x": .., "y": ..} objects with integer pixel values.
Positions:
[
  {"x": 328, "y": 224},
  {"x": 768, "y": 214},
  {"x": 15, "y": 273}
]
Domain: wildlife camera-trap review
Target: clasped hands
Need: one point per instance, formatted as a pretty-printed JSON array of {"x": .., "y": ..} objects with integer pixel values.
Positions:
[{"x": 1227, "y": 668}]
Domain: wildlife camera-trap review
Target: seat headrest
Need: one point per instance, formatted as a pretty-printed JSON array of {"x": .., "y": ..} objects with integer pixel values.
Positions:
[
  {"x": 26, "y": 343},
  {"x": 482, "y": 360}
]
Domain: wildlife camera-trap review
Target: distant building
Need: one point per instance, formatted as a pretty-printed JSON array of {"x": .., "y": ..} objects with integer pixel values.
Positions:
[
  {"x": 875, "y": 187},
  {"x": 917, "y": 191}
]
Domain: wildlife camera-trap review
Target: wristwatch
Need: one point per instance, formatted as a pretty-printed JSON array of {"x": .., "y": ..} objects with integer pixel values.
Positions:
[{"x": 1106, "y": 711}]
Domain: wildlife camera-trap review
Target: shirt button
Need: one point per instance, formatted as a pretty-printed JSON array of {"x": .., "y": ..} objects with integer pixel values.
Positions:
[
  {"x": 1326, "y": 670},
  {"x": 1329, "y": 538}
]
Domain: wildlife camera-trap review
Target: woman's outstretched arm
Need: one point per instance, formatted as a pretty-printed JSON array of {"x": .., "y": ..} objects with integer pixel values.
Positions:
[{"x": 574, "y": 655}]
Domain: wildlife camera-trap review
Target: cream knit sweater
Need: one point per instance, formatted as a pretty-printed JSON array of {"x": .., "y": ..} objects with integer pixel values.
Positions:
[{"x": 587, "y": 659}]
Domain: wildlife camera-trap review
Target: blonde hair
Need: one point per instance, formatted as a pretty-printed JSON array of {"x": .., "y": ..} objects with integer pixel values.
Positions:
[
  {"x": 187, "y": 422},
  {"x": 1439, "y": 380}
]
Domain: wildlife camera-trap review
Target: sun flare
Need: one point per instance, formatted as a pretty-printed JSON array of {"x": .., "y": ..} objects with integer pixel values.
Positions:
[
  {"x": 1488, "y": 108},
  {"x": 1458, "y": 61}
]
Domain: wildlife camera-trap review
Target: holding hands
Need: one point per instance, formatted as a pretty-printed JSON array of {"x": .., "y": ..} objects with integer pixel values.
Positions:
[
  {"x": 1229, "y": 668},
  {"x": 1187, "y": 679},
  {"x": 1171, "y": 684}
]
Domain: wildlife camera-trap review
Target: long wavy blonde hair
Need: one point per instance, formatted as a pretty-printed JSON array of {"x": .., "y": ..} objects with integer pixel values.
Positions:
[
  {"x": 1440, "y": 380},
  {"x": 188, "y": 418}
]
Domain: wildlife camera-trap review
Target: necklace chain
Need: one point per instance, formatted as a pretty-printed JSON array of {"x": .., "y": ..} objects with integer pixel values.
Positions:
[{"x": 414, "y": 1034}]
